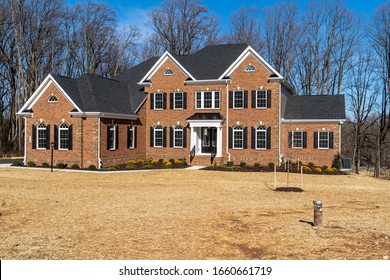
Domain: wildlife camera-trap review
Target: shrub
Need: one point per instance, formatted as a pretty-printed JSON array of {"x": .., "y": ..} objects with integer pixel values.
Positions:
[
  {"x": 31, "y": 164},
  {"x": 61, "y": 165},
  {"x": 45, "y": 164},
  {"x": 171, "y": 160},
  {"x": 306, "y": 169},
  {"x": 317, "y": 170},
  {"x": 92, "y": 167},
  {"x": 164, "y": 161},
  {"x": 324, "y": 167},
  {"x": 271, "y": 165},
  {"x": 330, "y": 170},
  {"x": 141, "y": 161},
  {"x": 184, "y": 162},
  {"x": 167, "y": 165},
  {"x": 130, "y": 167},
  {"x": 75, "y": 166},
  {"x": 149, "y": 160},
  {"x": 131, "y": 162},
  {"x": 154, "y": 162},
  {"x": 160, "y": 160},
  {"x": 17, "y": 163},
  {"x": 178, "y": 161},
  {"x": 147, "y": 166},
  {"x": 230, "y": 163},
  {"x": 337, "y": 161},
  {"x": 310, "y": 164},
  {"x": 257, "y": 164},
  {"x": 113, "y": 168},
  {"x": 232, "y": 168},
  {"x": 242, "y": 164}
]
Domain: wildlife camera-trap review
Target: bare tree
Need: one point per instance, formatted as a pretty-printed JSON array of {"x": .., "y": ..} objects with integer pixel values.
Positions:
[
  {"x": 183, "y": 26},
  {"x": 380, "y": 35},
  {"x": 362, "y": 98},
  {"x": 245, "y": 27}
]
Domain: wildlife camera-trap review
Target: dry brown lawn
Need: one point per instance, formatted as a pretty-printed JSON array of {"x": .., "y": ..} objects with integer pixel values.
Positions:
[{"x": 173, "y": 214}]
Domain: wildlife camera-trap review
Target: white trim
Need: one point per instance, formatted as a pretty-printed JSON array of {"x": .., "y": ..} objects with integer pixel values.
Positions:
[
  {"x": 234, "y": 99},
  {"x": 174, "y": 100},
  {"x": 98, "y": 147},
  {"x": 313, "y": 121},
  {"x": 292, "y": 139},
  {"x": 39, "y": 92},
  {"x": 25, "y": 141},
  {"x": 155, "y": 100},
  {"x": 113, "y": 127},
  {"x": 257, "y": 130},
  {"x": 205, "y": 123},
  {"x": 59, "y": 137},
  {"x": 154, "y": 136},
  {"x": 242, "y": 139},
  {"x": 159, "y": 63},
  {"x": 142, "y": 103},
  {"x": 103, "y": 115},
  {"x": 249, "y": 50},
  {"x": 318, "y": 140},
  {"x": 174, "y": 136},
  {"x": 212, "y": 99},
  {"x": 131, "y": 128},
  {"x": 266, "y": 98},
  {"x": 37, "y": 140}
]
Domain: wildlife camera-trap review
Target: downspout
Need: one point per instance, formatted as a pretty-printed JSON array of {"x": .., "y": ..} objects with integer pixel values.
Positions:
[
  {"x": 98, "y": 151},
  {"x": 340, "y": 137},
  {"x": 227, "y": 120},
  {"x": 25, "y": 142},
  {"x": 280, "y": 124}
]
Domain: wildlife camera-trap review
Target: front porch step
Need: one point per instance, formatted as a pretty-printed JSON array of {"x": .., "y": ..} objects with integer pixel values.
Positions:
[{"x": 205, "y": 160}]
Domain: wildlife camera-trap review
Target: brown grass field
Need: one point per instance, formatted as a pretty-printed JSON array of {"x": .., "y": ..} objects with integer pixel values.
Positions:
[{"x": 180, "y": 214}]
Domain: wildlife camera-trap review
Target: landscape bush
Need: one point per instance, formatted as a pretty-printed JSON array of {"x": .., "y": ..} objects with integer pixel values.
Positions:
[
  {"x": 230, "y": 163},
  {"x": 337, "y": 161},
  {"x": 330, "y": 170},
  {"x": 17, "y": 163},
  {"x": 306, "y": 169},
  {"x": 130, "y": 167},
  {"x": 113, "y": 168},
  {"x": 242, "y": 164},
  {"x": 147, "y": 166},
  {"x": 31, "y": 164},
  {"x": 167, "y": 165},
  {"x": 131, "y": 162},
  {"x": 257, "y": 164},
  {"x": 317, "y": 170},
  {"x": 141, "y": 161},
  {"x": 45, "y": 164},
  {"x": 75, "y": 166},
  {"x": 92, "y": 167},
  {"x": 178, "y": 162},
  {"x": 271, "y": 165},
  {"x": 153, "y": 162}
]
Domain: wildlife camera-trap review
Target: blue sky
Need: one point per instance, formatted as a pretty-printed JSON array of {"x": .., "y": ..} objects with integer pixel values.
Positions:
[{"x": 135, "y": 12}]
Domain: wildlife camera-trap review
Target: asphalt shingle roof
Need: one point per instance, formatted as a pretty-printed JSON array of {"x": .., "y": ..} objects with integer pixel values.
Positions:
[{"x": 317, "y": 107}]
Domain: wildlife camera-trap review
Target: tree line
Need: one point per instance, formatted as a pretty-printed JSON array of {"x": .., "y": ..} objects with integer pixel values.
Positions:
[{"x": 322, "y": 48}]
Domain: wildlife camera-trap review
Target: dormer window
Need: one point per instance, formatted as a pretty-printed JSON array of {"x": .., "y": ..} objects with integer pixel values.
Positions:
[
  {"x": 168, "y": 72},
  {"x": 52, "y": 98},
  {"x": 250, "y": 68}
]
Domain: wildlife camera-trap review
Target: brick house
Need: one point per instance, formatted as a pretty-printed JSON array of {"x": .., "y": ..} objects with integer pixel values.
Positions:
[{"x": 222, "y": 103}]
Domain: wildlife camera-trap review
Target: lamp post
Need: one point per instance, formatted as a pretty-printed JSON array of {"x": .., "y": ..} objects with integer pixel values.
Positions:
[{"x": 51, "y": 160}]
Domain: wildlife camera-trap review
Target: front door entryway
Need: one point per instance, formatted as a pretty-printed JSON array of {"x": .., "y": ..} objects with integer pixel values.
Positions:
[{"x": 209, "y": 140}]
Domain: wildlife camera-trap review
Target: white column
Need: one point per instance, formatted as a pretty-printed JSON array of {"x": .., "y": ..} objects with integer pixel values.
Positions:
[
  {"x": 219, "y": 142},
  {"x": 191, "y": 138}
]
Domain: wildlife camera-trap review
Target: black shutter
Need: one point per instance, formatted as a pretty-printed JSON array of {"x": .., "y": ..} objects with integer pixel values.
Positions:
[
  {"x": 253, "y": 136},
  {"x": 164, "y": 100},
  {"x": 245, "y": 144},
  {"x": 128, "y": 137},
  {"x": 184, "y": 100},
  {"x": 34, "y": 136},
  {"x": 70, "y": 137},
  {"x": 230, "y": 137},
  {"x": 56, "y": 137},
  {"x": 230, "y": 99},
  {"x": 184, "y": 137},
  {"x": 331, "y": 140},
  {"x": 253, "y": 99},
  {"x": 108, "y": 137},
  {"x": 171, "y": 137},
  {"x": 152, "y": 101},
  {"x": 171, "y": 99},
  {"x": 304, "y": 141},
  {"x": 315, "y": 140},
  {"x": 135, "y": 137},
  {"x": 48, "y": 137},
  {"x": 117, "y": 137},
  {"x": 268, "y": 98},
  {"x": 245, "y": 99},
  {"x": 151, "y": 137},
  {"x": 165, "y": 137},
  {"x": 290, "y": 139},
  {"x": 268, "y": 138}
]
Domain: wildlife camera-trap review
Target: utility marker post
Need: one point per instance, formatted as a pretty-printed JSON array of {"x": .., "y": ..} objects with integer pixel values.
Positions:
[{"x": 317, "y": 212}]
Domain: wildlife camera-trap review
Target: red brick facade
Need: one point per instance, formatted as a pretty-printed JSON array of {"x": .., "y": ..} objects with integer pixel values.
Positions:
[{"x": 90, "y": 135}]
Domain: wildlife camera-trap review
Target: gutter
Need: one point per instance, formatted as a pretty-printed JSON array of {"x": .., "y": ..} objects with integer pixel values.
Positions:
[
  {"x": 208, "y": 82},
  {"x": 227, "y": 118},
  {"x": 341, "y": 121},
  {"x": 98, "y": 151}
]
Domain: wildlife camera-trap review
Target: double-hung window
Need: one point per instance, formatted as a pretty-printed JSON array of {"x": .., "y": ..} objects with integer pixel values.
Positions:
[
  {"x": 41, "y": 136},
  {"x": 63, "y": 137},
  {"x": 297, "y": 139},
  {"x": 178, "y": 100},
  {"x": 131, "y": 137},
  {"x": 261, "y": 99},
  {"x": 159, "y": 101},
  {"x": 207, "y": 99},
  {"x": 261, "y": 138},
  {"x": 238, "y": 99},
  {"x": 238, "y": 137},
  {"x": 323, "y": 140},
  {"x": 111, "y": 137},
  {"x": 178, "y": 136},
  {"x": 158, "y": 136}
]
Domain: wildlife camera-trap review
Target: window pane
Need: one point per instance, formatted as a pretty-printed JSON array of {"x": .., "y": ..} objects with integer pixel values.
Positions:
[
  {"x": 207, "y": 102},
  {"x": 216, "y": 99},
  {"x": 131, "y": 137},
  {"x": 261, "y": 101},
  {"x": 64, "y": 136},
  {"x": 158, "y": 100},
  {"x": 297, "y": 139},
  {"x": 158, "y": 138},
  {"x": 323, "y": 139},
  {"x": 178, "y": 137},
  {"x": 199, "y": 99},
  {"x": 238, "y": 139},
  {"x": 238, "y": 99},
  {"x": 41, "y": 138},
  {"x": 178, "y": 100},
  {"x": 111, "y": 138},
  {"x": 260, "y": 139}
]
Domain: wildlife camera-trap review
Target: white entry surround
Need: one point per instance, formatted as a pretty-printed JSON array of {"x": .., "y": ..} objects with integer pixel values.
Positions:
[{"x": 195, "y": 137}]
